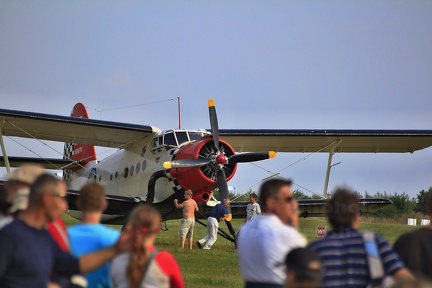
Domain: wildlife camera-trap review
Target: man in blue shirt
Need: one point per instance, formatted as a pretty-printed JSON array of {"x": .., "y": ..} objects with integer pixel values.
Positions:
[
  {"x": 90, "y": 235},
  {"x": 217, "y": 214}
]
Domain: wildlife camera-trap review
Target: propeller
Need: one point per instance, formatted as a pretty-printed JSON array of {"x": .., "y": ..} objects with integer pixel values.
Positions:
[
  {"x": 186, "y": 163},
  {"x": 215, "y": 158}
]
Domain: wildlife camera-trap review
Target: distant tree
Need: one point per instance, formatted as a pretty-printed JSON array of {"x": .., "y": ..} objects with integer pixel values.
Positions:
[
  {"x": 421, "y": 198},
  {"x": 300, "y": 195},
  {"x": 402, "y": 204}
]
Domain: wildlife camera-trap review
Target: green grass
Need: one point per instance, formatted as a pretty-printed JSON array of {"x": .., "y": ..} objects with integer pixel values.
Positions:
[{"x": 219, "y": 267}]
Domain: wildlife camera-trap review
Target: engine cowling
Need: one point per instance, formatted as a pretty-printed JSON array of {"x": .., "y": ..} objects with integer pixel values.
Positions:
[{"x": 202, "y": 180}]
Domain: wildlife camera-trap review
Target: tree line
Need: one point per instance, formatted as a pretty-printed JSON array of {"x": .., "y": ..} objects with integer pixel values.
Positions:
[{"x": 403, "y": 204}]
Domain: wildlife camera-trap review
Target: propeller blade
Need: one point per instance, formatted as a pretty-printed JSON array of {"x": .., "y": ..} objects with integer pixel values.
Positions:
[
  {"x": 251, "y": 157},
  {"x": 214, "y": 123},
  {"x": 222, "y": 185},
  {"x": 185, "y": 163}
]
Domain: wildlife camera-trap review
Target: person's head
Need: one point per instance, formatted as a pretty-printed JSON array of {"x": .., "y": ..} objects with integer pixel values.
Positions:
[
  {"x": 253, "y": 198},
  {"x": 226, "y": 202},
  {"x": 47, "y": 195},
  {"x": 343, "y": 209},
  {"x": 188, "y": 194},
  {"x": 276, "y": 197},
  {"x": 304, "y": 269},
  {"x": 18, "y": 183},
  {"x": 92, "y": 198},
  {"x": 145, "y": 222}
]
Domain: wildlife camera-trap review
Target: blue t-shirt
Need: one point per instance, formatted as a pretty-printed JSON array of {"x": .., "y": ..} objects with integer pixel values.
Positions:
[
  {"x": 28, "y": 256},
  {"x": 218, "y": 211},
  {"x": 87, "y": 238}
]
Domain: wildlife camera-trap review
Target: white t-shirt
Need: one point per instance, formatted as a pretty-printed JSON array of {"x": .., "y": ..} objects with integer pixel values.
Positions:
[
  {"x": 263, "y": 244},
  {"x": 252, "y": 210}
]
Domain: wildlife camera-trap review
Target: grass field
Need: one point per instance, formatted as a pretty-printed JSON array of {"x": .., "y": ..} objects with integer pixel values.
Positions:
[{"x": 219, "y": 267}]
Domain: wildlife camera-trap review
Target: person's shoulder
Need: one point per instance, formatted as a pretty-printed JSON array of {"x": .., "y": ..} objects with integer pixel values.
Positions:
[
  {"x": 165, "y": 257},
  {"x": 411, "y": 236}
]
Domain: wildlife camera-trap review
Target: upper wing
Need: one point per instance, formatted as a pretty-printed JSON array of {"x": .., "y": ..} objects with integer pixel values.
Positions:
[
  {"x": 71, "y": 129},
  {"x": 367, "y": 141}
]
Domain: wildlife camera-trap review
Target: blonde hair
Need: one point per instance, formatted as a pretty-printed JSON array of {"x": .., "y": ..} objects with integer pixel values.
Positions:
[
  {"x": 147, "y": 220},
  {"x": 189, "y": 192}
]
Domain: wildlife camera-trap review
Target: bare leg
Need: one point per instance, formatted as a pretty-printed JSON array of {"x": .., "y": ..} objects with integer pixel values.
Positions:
[
  {"x": 183, "y": 239},
  {"x": 190, "y": 243}
]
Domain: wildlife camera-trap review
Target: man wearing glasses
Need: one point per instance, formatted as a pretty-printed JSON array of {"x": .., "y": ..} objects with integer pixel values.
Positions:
[
  {"x": 28, "y": 253},
  {"x": 264, "y": 241}
]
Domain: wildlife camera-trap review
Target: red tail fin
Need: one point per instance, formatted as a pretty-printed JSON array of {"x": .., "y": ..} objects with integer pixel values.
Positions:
[{"x": 80, "y": 152}]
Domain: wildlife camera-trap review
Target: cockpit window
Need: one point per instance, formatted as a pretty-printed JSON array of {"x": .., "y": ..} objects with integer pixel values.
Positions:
[
  {"x": 182, "y": 137},
  {"x": 195, "y": 135},
  {"x": 169, "y": 139}
]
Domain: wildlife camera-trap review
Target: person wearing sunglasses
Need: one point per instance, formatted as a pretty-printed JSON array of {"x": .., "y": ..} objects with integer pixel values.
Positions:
[{"x": 264, "y": 241}]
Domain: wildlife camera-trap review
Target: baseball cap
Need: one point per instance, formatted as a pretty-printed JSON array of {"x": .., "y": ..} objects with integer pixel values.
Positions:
[
  {"x": 26, "y": 174},
  {"x": 305, "y": 263}
]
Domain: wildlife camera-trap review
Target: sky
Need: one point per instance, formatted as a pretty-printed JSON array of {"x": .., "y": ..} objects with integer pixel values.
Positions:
[{"x": 268, "y": 64}]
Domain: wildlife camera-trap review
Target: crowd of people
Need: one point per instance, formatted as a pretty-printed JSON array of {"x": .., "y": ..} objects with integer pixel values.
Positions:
[{"x": 38, "y": 250}]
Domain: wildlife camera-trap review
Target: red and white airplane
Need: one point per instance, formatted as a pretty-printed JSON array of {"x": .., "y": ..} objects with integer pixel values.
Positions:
[{"x": 154, "y": 166}]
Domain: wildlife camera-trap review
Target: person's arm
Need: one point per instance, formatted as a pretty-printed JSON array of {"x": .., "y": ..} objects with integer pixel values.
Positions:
[
  {"x": 196, "y": 207},
  {"x": 223, "y": 217},
  {"x": 170, "y": 267},
  {"x": 258, "y": 208},
  {"x": 90, "y": 262},
  {"x": 179, "y": 206},
  {"x": 391, "y": 261},
  {"x": 403, "y": 273}
]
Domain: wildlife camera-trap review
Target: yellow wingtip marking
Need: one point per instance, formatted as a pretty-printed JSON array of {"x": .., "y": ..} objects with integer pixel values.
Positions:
[
  {"x": 272, "y": 154},
  {"x": 211, "y": 103}
]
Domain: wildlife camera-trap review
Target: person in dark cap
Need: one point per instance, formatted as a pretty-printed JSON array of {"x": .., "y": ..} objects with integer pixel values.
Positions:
[{"x": 304, "y": 269}]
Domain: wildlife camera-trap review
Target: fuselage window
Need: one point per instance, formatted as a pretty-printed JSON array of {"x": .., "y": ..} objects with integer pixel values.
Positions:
[
  {"x": 132, "y": 168},
  {"x": 111, "y": 177},
  {"x": 116, "y": 175},
  {"x": 144, "y": 165},
  {"x": 126, "y": 172},
  {"x": 182, "y": 137},
  {"x": 137, "y": 168}
]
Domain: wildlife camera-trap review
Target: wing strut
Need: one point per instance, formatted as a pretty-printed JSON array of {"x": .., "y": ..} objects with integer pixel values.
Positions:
[
  {"x": 329, "y": 166},
  {"x": 3, "y": 148}
]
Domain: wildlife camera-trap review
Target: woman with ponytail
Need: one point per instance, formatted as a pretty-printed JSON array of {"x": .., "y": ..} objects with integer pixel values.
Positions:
[{"x": 144, "y": 266}]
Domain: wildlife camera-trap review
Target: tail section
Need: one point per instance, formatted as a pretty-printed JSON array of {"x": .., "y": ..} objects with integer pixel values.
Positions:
[{"x": 78, "y": 152}]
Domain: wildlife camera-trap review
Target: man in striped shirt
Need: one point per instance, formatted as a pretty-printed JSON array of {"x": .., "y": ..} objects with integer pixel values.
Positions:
[{"x": 343, "y": 251}]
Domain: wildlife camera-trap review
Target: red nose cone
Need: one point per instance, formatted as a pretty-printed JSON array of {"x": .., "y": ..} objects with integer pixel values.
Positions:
[{"x": 220, "y": 159}]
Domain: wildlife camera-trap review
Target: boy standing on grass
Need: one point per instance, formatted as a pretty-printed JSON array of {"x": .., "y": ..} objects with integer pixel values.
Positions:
[
  {"x": 188, "y": 206},
  {"x": 253, "y": 208}
]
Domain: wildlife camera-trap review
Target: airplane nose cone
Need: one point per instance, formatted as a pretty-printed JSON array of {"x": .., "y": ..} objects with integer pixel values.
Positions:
[{"x": 221, "y": 159}]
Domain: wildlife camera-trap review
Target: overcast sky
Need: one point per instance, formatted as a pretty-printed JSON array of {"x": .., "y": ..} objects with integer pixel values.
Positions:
[{"x": 267, "y": 64}]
